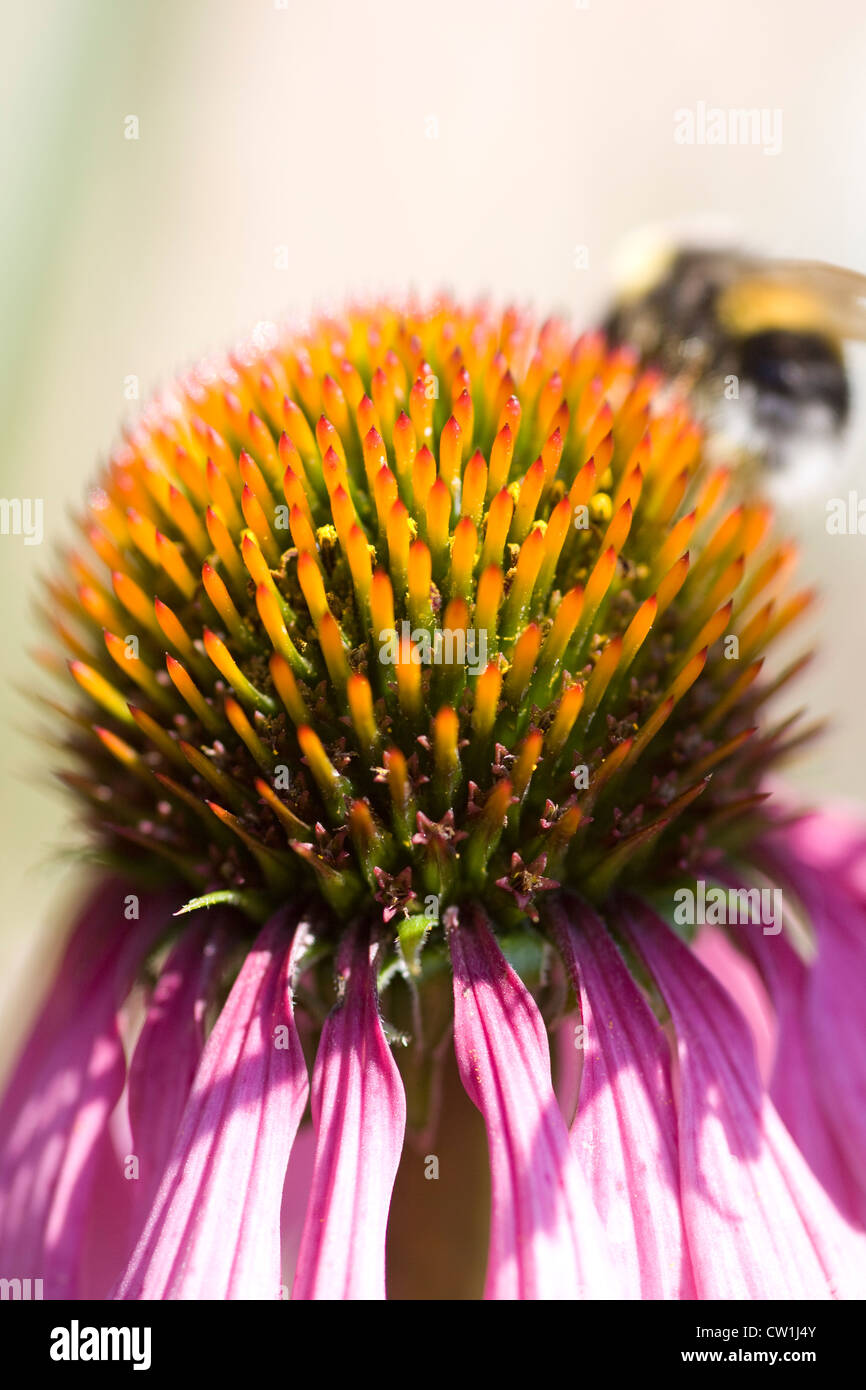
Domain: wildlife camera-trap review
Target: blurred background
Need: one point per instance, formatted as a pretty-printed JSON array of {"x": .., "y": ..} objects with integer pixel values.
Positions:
[{"x": 288, "y": 154}]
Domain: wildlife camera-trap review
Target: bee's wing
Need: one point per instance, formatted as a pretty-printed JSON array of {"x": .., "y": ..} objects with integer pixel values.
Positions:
[
  {"x": 830, "y": 296},
  {"x": 842, "y": 291}
]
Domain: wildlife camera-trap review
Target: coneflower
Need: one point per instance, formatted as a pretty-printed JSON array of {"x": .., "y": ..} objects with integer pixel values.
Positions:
[{"x": 418, "y": 661}]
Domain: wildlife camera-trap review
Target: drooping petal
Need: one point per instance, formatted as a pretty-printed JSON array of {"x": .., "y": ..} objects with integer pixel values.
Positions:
[
  {"x": 567, "y": 1064},
  {"x": 758, "y": 1223},
  {"x": 64, "y": 1090},
  {"x": 110, "y": 1224},
  {"x": 546, "y": 1239},
  {"x": 168, "y": 1052},
  {"x": 213, "y": 1230},
  {"x": 834, "y": 992},
  {"x": 296, "y": 1195},
  {"x": 624, "y": 1132},
  {"x": 835, "y": 1009},
  {"x": 359, "y": 1113},
  {"x": 832, "y": 841},
  {"x": 795, "y": 1084},
  {"x": 736, "y": 973},
  {"x": 97, "y": 933}
]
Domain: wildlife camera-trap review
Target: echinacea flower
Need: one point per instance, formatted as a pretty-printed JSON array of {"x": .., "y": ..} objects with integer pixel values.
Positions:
[{"x": 419, "y": 659}]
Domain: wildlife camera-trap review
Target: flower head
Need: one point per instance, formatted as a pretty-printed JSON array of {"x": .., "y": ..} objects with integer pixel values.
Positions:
[
  {"x": 408, "y": 596},
  {"x": 432, "y": 640}
]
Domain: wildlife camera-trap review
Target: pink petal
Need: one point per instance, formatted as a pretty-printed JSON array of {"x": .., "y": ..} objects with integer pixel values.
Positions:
[
  {"x": 567, "y": 1065},
  {"x": 63, "y": 1091},
  {"x": 546, "y": 1239},
  {"x": 758, "y": 1223},
  {"x": 109, "y": 1225},
  {"x": 834, "y": 995},
  {"x": 168, "y": 1051},
  {"x": 213, "y": 1230},
  {"x": 624, "y": 1134},
  {"x": 359, "y": 1113},
  {"x": 833, "y": 1024},
  {"x": 796, "y": 1085},
  {"x": 796, "y": 1080},
  {"x": 740, "y": 978},
  {"x": 95, "y": 937},
  {"x": 296, "y": 1195},
  {"x": 832, "y": 840}
]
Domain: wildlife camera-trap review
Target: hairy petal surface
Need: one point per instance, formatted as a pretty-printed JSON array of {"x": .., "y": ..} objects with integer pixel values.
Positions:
[
  {"x": 359, "y": 1113},
  {"x": 213, "y": 1230},
  {"x": 546, "y": 1240},
  {"x": 758, "y": 1223},
  {"x": 624, "y": 1133}
]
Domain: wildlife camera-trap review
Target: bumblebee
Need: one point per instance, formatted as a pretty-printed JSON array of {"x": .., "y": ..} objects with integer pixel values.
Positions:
[{"x": 757, "y": 343}]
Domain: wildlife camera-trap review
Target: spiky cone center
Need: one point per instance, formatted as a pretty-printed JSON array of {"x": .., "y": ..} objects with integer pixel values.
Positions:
[{"x": 415, "y": 606}]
